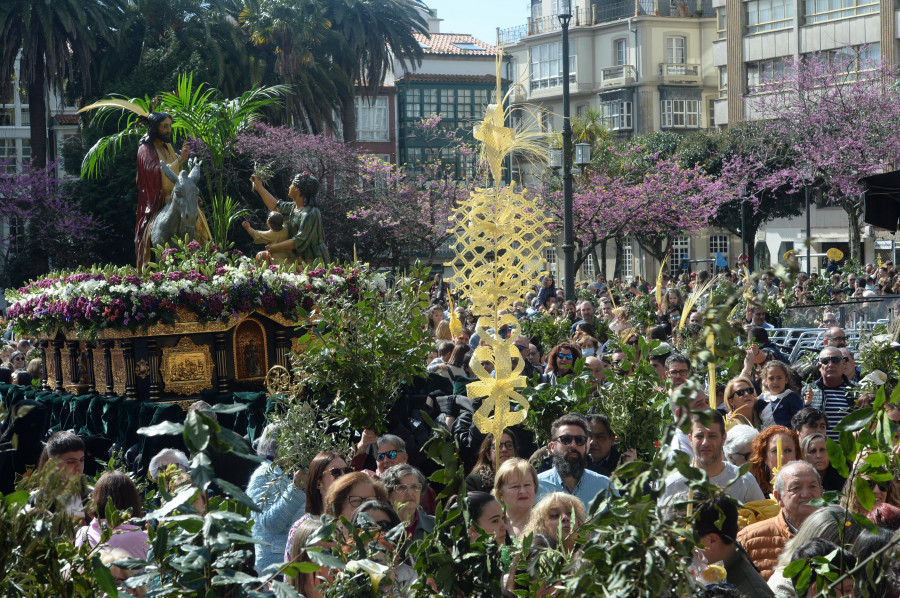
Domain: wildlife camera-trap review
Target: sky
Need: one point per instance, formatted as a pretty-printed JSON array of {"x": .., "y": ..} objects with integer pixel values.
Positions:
[{"x": 480, "y": 17}]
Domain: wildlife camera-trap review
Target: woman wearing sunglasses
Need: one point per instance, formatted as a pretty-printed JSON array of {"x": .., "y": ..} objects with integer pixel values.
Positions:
[
  {"x": 481, "y": 478},
  {"x": 559, "y": 364},
  {"x": 884, "y": 492},
  {"x": 325, "y": 468},
  {"x": 741, "y": 402}
]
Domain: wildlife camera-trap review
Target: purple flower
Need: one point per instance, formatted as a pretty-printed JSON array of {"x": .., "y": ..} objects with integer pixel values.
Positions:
[{"x": 193, "y": 246}]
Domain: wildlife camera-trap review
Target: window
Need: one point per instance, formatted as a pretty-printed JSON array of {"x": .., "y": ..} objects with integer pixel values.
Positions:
[
  {"x": 469, "y": 47},
  {"x": 769, "y": 15},
  {"x": 765, "y": 71},
  {"x": 711, "y": 114},
  {"x": 448, "y": 103},
  {"x": 627, "y": 260},
  {"x": 675, "y": 50},
  {"x": 620, "y": 52},
  {"x": 429, "y": 102},
  {"x": 414, "y": 103},
  {"x": 8, "y": 154},
  {"x": 551, "y": 260},
  {"x": 546, "y": 65},
  {"x": 721, "y": 24},
  {"x": 587, "y": 267},
  {"x": 680, "y": 250},
  {"x": 372, "y": 119},
  {"x": 818, "y": 11},
  {"x": 16, "y": 231},
  {"x": 680, "y": 113},
  {"x": 855, "y": 58},
  {"x": 723, "y": 81},
  {"x": 536, "y": 9},
  {"x": 616, "y": 115},
  {"x": 718, "y": 244}
]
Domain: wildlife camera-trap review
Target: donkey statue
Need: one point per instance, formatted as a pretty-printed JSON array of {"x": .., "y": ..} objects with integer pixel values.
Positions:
[{"x": 178, "y": 217}]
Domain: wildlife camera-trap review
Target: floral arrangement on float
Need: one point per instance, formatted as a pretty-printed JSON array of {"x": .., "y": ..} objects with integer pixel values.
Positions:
[{"x": 203, "y": 283}]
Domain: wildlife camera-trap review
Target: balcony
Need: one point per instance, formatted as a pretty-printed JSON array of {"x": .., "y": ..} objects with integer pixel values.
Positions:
[
  {"x": 618, "y": 76},
  {"x": 679, "y": 74},
  {"x": 581, "y": 17}
]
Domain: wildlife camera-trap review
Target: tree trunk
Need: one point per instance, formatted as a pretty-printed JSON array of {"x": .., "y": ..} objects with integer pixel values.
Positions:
[
  {"x": 37, "y": 105},
  {"x": 620, "y": 257},
  {"x": 603, "y": 259},
  {"x": 348, "y": 119},
  {"x": 750, "y": 249},
  {"x": 854, "y": 211}
]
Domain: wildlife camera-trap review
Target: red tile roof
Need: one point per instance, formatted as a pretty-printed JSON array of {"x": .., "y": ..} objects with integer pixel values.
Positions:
[
  {"x": 425, "y": 77},
  {"x": 67, "y": 119},
  {"x": 442, "y": 43}
]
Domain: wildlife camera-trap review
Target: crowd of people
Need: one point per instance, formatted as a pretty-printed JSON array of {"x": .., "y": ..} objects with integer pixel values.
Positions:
[{"x": 775, "y": 415}]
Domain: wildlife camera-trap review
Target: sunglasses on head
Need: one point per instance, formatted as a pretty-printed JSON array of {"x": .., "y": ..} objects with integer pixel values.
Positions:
[
  {"x": 743, "y": 391},
  {"x": 388, "y": 455},
  {"x": 833, "y": 359},
  {"x": 566, "y": 355},
  {"x": 567, "y": 439},
  {"x": 337, "y": 472}
]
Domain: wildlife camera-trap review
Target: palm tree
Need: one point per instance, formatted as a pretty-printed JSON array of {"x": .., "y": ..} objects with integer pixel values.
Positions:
[
  {"x": 370, "y": 35},
  {"x": 56, "y": 42},
  {"x": 290, "y": 37}
]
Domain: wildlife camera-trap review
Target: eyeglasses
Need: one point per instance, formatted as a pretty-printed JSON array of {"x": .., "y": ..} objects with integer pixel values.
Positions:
[
  {"x": 407, "y": 488},
  {"x": 742, "y": 392},
  {"x": 833, "y": 359},
  {"x": 567, "y": 439},
  {"x": 521, "y": 347},
  {"x": 881, "y": 485},
  {"x": 389, "y": 455},
  {"x": 355, "y": 501},
  {"x": 831, "y": 321},
  {"x": 506, "y": 446},
  {"x": 679, "y": 372},
  {"x": 337, "y": 472},
  {"x": 836, "y": 338},
  {"x": 569, "y": 356}
]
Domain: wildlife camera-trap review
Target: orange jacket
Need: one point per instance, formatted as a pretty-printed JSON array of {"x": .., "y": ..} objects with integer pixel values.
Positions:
[{"x": 764, "y": 541}]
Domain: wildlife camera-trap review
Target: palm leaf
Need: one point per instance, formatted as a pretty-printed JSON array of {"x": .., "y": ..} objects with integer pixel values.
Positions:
[
  {"x": 117, "y": 103},
  {"x": 693, "y": 298}
]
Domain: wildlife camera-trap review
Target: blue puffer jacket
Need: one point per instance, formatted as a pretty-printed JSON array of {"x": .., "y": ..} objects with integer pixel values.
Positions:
[{"x": 281, "y": 504}]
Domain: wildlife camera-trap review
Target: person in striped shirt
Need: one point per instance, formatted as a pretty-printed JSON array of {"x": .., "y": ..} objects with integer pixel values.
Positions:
[{"x": 832, "y": 386}]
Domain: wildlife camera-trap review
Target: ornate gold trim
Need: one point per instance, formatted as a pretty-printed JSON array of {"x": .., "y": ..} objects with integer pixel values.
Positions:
[
  {"x": 187, "y": 368},
  {"x": 142, "y": 369},
  {"x": 250, "y": 332}
]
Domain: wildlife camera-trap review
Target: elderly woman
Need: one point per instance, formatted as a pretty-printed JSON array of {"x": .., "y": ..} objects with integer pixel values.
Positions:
[
  {"x": 558, "y": 513},
  {"x": 406, "y": 486},
  {"x": 302, "y": 218},
  {"x": 739, "y": 444},
  {"x": 515, "y": 486},
  {"x": 816, "y": 454},
  {"x": 281, "y": 500}
]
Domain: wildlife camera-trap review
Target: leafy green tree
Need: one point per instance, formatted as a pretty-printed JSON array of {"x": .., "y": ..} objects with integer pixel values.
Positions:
[{"x": 55, "y": 40}]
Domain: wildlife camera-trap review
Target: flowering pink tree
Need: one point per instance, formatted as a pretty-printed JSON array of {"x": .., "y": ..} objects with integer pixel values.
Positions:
[
  {"x": 410, "y": 204},
  {"x": 643, "y": 195},
  {"x": 45, "y": 227},
  {"x": 839, "y": 114}
]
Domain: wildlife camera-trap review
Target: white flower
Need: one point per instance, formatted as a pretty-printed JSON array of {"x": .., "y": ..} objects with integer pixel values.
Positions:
[{"x": 876, "y": 378}]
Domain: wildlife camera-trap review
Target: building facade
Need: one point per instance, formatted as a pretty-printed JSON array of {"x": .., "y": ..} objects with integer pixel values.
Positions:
[
  {"x": 645, "y": 65},
  {"x": 754, "y": 40}
]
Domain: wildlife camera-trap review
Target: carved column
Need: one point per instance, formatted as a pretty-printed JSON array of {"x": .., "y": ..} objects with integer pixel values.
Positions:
[
  {"x": 282, "y": 348},
  {"x": 107, "y": 368},
  {"x": 74, "y": 350},
  {"x": 57, "y": 365},
  {"x": 92, "y": 380},
  {"x": 127, "y": 346},
  {"x": 45, "y": 364},
  {"x": 220, "y": 346},
  {"x": 155, "y": 378}
]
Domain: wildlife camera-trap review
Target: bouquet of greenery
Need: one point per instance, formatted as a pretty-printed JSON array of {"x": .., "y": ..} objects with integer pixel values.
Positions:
[
  {"x": 305, "y": 431},
  {"x": 361, "y": 350}
]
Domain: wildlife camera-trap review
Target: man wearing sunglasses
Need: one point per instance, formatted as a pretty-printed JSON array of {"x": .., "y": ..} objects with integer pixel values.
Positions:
[
  {"x": 835, "y": 337},
  {"x": 391, "y": 451},
  {"x": 833, "y": 385},
  {"x": 569, "y": 474}
]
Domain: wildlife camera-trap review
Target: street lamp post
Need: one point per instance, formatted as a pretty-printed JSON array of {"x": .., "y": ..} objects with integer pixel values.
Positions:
[{"x": 565, "y": 16}]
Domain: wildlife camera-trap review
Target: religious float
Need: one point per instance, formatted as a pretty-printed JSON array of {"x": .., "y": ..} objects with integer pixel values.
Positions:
[{"x": 197, "y": 319}]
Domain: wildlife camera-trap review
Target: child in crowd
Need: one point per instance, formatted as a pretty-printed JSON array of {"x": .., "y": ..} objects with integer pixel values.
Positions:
[{"x": 779, "y": 402}]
